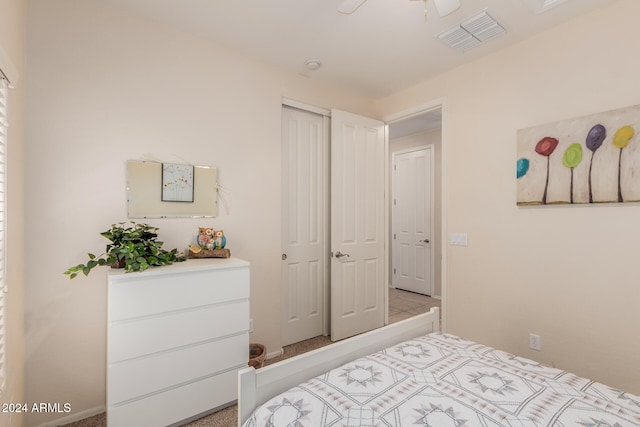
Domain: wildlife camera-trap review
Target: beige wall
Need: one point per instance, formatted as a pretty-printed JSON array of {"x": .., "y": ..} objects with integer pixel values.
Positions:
[
  {"x": 105, "y": 87},
  {"x": 566, "y": 273},
  {"x": 432, "y": 137},
  {"x": 12, "y": 61}
]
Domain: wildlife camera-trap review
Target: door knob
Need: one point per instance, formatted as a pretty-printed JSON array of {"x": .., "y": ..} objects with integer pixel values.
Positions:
[
  {"x": 284, "y": 257},
  {"x": 340, "y": 254},
  {"x": 424, "y": 241}
]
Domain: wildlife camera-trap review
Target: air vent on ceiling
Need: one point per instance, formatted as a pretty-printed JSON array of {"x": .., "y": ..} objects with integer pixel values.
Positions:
[{"x": 472, "y": 32}]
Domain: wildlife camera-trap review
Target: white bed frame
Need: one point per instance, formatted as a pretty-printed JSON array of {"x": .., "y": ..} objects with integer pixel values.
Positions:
[{"x": 257, "y": 386}]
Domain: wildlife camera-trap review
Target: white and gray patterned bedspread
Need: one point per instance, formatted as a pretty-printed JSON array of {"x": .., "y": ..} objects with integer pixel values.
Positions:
[{"x": 440, "y": 380}]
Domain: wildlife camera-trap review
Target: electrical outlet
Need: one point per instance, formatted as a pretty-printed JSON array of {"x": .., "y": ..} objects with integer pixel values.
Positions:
[
  {"x": 534, "y": 342},
  {"x": 250, "y": 325}
]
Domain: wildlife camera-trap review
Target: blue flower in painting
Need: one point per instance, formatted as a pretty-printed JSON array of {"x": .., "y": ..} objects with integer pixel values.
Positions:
[{"x": 522, "y": 167}]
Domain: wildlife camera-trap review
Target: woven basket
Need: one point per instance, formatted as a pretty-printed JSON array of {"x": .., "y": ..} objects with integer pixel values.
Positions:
[{"x": 257, "y": 354}]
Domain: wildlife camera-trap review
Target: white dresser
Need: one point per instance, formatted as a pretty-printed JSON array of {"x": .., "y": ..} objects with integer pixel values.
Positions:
[{"x": 177, "y": 336}]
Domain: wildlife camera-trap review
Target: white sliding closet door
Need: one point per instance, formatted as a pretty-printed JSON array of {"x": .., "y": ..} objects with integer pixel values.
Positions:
[
  {"x": 356, "y": 237},
  {"x": 304, "y": 153}
]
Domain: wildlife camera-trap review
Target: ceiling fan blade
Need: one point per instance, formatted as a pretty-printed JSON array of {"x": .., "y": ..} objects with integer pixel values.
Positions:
[
  {"x": 445, "y": 7},
  {"x": 349, "y": 6}
]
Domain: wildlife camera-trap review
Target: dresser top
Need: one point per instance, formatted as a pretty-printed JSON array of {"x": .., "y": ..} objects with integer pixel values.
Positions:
[{"x": 194, "y": 264}]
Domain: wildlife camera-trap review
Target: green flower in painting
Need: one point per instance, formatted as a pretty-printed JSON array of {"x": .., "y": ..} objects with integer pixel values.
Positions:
[
  {"x": 621, "y": 139},
  {"x": 572, "y": 158}
]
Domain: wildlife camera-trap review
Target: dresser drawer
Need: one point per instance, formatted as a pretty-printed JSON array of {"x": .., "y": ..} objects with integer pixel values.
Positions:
[
  {"x": 177, "y": 404},
  {"x": 145, "y": 295},
  {"x": 147, "y": 375},
  {"x": 143, "y": 336}
]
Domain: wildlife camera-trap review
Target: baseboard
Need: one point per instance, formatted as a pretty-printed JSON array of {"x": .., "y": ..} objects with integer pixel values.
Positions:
[
  {"x": 275, "y": 354},
  {"x": 76, "y": 416},
  {"x": 438, "y": 297}
]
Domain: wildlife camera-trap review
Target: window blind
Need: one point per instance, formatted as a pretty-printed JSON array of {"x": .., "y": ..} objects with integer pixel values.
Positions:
[{"x": 4, "y": 89}]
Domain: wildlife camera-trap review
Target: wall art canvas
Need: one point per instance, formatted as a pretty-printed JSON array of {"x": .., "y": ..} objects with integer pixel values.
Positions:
[
  {"x": 591, "y": 159},
  {"x": 177, "y": 183}
]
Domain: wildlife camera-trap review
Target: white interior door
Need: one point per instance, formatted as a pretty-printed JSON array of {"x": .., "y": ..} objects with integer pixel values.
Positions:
[
  {"x": 304, "y": 157},
  {"x": 358, "y": 268},
  {"x": 412, "y": 218}
]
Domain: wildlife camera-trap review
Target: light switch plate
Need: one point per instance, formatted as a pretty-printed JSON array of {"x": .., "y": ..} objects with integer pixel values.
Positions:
[
  {"x": 459, "y": 239},
  {"x": 534, "y": 342}
]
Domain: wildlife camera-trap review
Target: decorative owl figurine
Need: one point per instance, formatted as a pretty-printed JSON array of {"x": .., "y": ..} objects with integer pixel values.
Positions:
[
  {"x": 219, "y": 241},
  {"x": 205, "y": 237}
]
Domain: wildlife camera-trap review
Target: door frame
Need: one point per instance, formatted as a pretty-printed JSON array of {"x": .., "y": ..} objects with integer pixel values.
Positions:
[
  {"x": 444, "y": 155},
  {"x": 425, "y": 147},
  {"x": 326, "y": 265},
  {"x": 326, "y": 312},
  {"x": 440, "y": 103}
]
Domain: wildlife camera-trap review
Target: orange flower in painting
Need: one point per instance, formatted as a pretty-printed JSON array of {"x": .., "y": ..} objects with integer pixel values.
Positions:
[{"x": 546, "y": 146}]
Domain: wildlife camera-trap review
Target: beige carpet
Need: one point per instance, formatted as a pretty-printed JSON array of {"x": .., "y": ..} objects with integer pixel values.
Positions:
[{"x": 402, "y": 305}]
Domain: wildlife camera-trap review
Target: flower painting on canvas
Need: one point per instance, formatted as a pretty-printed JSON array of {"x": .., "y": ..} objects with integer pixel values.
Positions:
[{"x": 591, "y": 159}]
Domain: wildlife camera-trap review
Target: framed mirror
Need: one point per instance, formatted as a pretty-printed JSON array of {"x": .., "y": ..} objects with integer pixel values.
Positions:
[{"x": 168, "y": 190}]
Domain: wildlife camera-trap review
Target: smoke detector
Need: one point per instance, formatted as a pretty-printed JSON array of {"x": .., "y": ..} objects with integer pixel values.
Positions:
[{"x": 312, "y": 64}]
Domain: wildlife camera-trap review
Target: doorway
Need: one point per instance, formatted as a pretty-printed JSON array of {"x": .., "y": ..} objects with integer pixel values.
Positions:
[
  {"x": 411, "y": 132},
  {"x": 412, "y": 222},
  {"x": 321, "y": 295}
]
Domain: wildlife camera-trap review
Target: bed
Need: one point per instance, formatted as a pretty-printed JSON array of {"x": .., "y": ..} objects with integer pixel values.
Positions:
[{"x": 433, "y": 379}]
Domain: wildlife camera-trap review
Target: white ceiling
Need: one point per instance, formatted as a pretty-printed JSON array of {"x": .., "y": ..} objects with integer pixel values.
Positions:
[{"x": 382, "y": 48}]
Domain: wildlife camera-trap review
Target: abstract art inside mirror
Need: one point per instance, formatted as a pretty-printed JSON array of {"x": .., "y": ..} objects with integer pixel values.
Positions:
[{"x": 147, "y": 190}]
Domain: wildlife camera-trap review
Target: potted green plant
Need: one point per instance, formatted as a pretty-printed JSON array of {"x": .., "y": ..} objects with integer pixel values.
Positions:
[{"x": 133, "y": 247}]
